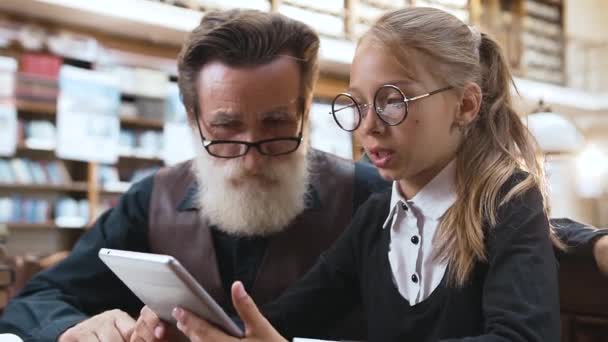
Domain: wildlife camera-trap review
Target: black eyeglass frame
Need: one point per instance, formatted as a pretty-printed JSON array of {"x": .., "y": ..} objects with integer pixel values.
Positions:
[
  {"x": 356, "y": 104},
  {"x": 257, "y": 144}
]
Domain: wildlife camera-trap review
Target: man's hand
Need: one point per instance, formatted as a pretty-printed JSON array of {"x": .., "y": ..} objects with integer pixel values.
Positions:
[
  {"x": 114, "y": 325},
  {"x": 257, "y": 328},
  {"x": 600, "y": 253},
  {"x": 149, "y": 328}
]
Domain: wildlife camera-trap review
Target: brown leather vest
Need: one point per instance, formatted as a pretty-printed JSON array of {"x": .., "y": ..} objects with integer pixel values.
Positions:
[{"x": 177, "y": 229}]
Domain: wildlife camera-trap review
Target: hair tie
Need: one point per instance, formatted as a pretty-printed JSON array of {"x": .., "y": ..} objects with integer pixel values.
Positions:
[{"x": 476, "y": 39}]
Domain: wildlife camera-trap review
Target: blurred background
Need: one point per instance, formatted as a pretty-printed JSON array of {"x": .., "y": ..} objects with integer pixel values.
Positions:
[{"x": 89, "y": 102}]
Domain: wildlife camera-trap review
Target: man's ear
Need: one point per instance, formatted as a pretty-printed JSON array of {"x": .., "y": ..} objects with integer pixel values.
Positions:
[
  {"x": 191, "y": 117},
  {"x": 470, "y": 103}
]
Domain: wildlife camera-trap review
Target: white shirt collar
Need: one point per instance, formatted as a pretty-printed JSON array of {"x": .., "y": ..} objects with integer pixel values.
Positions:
[{"x": 433, "y": 200}]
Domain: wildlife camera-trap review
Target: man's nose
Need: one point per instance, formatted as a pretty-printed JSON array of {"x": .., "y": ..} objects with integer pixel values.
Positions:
[{"x": 253, "y": 160}]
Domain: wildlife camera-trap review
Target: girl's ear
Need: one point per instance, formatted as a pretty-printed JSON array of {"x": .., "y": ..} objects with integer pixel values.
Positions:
[{"x": 469, "y": 104}]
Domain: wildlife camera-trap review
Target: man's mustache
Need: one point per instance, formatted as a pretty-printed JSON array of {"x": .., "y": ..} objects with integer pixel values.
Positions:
[{"x": 237, "y": 172}]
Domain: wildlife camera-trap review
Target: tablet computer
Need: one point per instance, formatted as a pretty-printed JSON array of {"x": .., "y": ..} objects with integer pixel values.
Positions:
[{"x": 162, "y": 283}]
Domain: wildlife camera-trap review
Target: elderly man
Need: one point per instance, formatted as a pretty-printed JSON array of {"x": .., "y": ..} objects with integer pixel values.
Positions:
[{"x": 256, "y": 204}]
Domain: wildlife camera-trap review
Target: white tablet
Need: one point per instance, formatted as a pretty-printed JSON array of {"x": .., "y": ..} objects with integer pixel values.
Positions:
[{"x": 162, "y": 283}]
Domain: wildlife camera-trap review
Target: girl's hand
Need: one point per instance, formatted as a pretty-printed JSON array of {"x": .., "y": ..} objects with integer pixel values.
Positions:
[{"x": 257, "y": 328}]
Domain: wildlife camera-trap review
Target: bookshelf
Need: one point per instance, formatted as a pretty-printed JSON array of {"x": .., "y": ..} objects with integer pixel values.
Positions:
[
  {"x": 543, "y": 40},
  {"x": 84, "y": 185},
  {"x": 143, "y": 123},
  {"x": 39, "y": 226},
  {"x": 530, "y": 31}
]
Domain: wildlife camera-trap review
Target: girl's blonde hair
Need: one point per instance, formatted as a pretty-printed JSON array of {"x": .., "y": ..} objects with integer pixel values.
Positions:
[{"x": 496, "y": 144}]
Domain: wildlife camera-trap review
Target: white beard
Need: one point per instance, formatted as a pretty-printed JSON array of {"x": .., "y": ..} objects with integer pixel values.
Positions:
[{"x": 253, "y": 207}]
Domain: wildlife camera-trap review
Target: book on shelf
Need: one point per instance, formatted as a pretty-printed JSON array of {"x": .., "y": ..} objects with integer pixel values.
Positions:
[
  {"x": 64, "y": 211},
  {"x": 139, "y": 82},
  {"x": 28, "y": 210},
  {"x": 6, "y": 209},
  {"x": 36, "y": 88},
  {"x": 87, "y": 116},
  {"x": 175, "y": 111},
  {"x": 126, "y": 142},
  {"x": 140, "y": 143},
  {"x": 125, "y": 74},
  {"x": 74, "y": 45},
  {"x": 39, "y": 64},
  {"x": 26, "y": 171},
  {"x": 38, "y": 174},
  {"x": 8, "y": 68},
  {"x": 177, "y": 142},
  {"x": 21, "y": 171},
  {"x": 149, "y": 144},
  {"x": 107, "y": 174},
  {"x": 128, "y": 110},
  {"x": 6, "y": 172},
  {"x": 150, "y": 108},
  {"x": 57, "y": 172},
  {"x": 109, "y": 180},
  {"x": 151, "y": 83},
  {"x": 71, "y": 213},
  {"x": 8, "y": 128},
  {"x": 39, "y": 134}
]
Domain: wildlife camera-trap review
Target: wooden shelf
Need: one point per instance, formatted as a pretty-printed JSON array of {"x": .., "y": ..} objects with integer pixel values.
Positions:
[
  {"x": 140, "y": 159},
  {"x": 23, "y": 151},
  {"x": 50, "y": 111},
  {"x": 111, "y": 193},
  {"x": 556, "y": 3},
  {"x": 128, "y": 96},
  {"x": 139, "y": 122},
  {"x": 37, "y": 108},
  {"x": 543, "y": 18},
  {"x": 44, "y": 225},
  {"x": 73, "y": 187}
]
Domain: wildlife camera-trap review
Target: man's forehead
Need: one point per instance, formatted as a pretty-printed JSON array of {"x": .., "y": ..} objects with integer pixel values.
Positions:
[
  {"x": 248, "y": 89},
  {"x": 216, "y": 71},
  {"x": 239, "y": 109}
]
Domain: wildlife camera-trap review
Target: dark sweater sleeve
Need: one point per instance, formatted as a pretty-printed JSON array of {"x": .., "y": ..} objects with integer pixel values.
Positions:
[
  {"x": 520, "y": 291},
  {"x": 328, "y": 292},
  {"x": 81, "y": 285},
  {"x": 578, "y": 237}
]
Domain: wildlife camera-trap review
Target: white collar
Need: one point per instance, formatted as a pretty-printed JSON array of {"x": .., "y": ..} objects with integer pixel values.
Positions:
[{"x": 433, "y": 200}]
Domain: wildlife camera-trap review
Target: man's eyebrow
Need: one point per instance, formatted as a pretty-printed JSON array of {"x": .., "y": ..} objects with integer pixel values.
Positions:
[
  {"x": 283, "y": 110},
  {"x": 225, "y": 116}
]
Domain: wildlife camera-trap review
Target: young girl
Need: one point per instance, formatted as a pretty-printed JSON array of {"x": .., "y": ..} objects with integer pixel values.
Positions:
[{"x": 461, "y": 249}]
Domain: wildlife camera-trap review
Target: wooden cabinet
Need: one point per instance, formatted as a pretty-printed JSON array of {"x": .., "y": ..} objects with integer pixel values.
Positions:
[{"x": 584, "y": 301}]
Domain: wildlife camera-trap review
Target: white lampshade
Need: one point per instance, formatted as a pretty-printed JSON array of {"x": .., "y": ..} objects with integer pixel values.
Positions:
[{"x": 554, "y": 132}]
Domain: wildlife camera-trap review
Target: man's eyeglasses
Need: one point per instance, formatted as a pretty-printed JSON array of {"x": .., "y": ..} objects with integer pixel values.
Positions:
[
  {"x": 390, "y": 104},
  {"x": 236, "y": 148}
]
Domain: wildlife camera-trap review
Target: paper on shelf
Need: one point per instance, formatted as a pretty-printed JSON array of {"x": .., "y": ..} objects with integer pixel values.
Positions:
[
  {"x": 88, "y": 124},
  {"x": 8, "y": 127}
]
